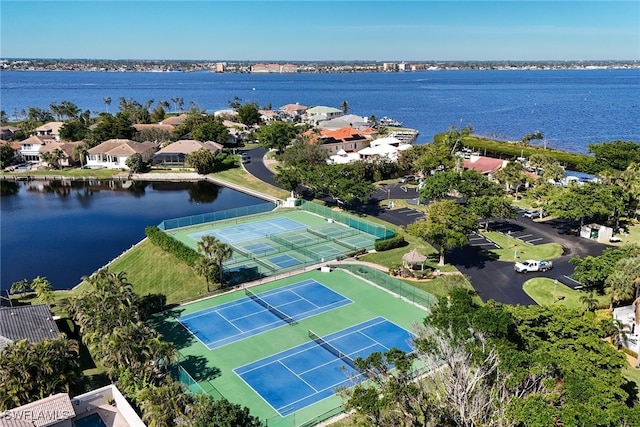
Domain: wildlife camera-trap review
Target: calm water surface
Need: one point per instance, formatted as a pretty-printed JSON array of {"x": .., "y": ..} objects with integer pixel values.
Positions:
[
  {"x": 66, "y": 231},
  {"x": 572, "y": 108}
]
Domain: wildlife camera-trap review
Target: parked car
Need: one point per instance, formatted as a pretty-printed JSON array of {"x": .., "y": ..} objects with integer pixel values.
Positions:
[
  {"x": 408, "y": 179},
  {"x": 532, "y": 265},
  {"x": 532, "y": 213}
]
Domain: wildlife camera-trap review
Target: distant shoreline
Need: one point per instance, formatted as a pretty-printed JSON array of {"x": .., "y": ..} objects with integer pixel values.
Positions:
[{"x": 295, "y": 67}]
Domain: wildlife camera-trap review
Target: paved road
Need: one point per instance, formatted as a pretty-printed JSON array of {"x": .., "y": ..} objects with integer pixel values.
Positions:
[
  {"x": 257, "y": 168},
  {"x": 492, "y": 279}
]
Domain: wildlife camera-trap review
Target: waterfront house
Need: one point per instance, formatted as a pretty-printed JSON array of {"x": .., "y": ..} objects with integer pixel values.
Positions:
[
  {"x": 113, "y": 153},
  {"x": 385, "y": 148},
  {"x": 350, "y": 120},
  {"x": 237, "y": 131},
  {"x": 346, "y": 139},
  {"x": 51, "y": 129},
  {"x": 31, "y": 322},
  {"x": 314, "y": 115},
  {"x": 30, "y": 147},
  {"x": 66, "y": 151},
  {"x": 293, "y": 111},
  {"x": 175, "y": 155}
]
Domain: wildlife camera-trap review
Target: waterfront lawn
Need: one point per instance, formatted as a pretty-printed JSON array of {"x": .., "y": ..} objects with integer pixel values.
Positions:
[
  {"x": 241, "y": 177},
  {"x": 546, "y": 292},
  {"x": 151, "y": 270},
  {"x": 525, "y": 251}
]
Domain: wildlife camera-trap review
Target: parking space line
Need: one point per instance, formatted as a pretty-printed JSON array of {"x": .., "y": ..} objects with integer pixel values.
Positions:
[
  {"x": 534, "y": 240},
  {"x": 526, "y": 235}
]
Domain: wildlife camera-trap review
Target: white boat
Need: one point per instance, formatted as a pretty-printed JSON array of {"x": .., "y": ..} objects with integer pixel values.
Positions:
[{"x": 387, "y": 121}]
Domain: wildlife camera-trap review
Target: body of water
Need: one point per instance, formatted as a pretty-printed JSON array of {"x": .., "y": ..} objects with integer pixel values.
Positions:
[
  {"x": 65, "y": 230},
  {"x": 572, "y": 108}
]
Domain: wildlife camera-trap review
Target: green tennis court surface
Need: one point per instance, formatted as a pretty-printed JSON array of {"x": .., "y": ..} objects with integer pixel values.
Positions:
[
  {"x": 224, "y": 372},
  {"x": 275, "y": 242}
]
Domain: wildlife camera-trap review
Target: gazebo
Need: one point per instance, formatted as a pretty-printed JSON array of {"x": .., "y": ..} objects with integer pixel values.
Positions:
[{"x": 413, "y": 258}]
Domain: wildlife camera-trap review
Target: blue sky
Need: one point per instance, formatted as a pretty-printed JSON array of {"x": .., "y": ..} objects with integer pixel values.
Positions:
[{"x": 321, "y": 30}]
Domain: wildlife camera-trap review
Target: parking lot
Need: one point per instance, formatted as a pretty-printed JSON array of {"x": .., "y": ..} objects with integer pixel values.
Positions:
[
  {"x": 518, "y": 230},
  {"x": 478, "y": 240}
]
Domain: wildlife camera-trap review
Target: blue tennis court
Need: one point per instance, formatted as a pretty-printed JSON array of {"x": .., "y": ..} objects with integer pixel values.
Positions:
[
  {"x": 306, "y": 374},
  {"x": 284, "y": 261},
  {"x": 251, "y": 231},
  {"x": 259, "y": 248},
  {"x": 236, "y": 320}
]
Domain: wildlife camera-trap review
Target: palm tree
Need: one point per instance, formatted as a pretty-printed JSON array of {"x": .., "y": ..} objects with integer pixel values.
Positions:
[
  {"x": 589, "y": 301},
  {"x": 344, "y": 107},
  {"x": 42, "y": 288},
  {"x": 21, "y": 287},
  {"x": 619, "y": 333},
  {"x": 79, "y": 152},
  {"x": 207, "y": 245},
  {"x": 206, "y": 268},
  {"x": 107, "y": 102},
  {"x": 221, "y": 253}
]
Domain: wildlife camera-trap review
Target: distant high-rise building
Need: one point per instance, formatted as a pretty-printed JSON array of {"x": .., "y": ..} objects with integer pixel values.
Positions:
[{"x": 220, "y": 66}]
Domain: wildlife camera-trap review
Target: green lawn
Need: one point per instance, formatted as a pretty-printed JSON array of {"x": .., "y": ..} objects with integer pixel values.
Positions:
[
  {"x": 151, "y": 270},
  {"x": 547, "y": 292},
  {"x": 239, "y": 176},
  {"x": 510, "y": 245}
]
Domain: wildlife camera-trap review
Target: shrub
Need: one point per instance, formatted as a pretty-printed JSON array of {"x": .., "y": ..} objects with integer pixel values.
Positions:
[
  {"x": 173, "y": 246},
  {"x": 391, "y": 243}
]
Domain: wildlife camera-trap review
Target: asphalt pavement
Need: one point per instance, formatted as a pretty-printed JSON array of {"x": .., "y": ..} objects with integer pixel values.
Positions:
[{"x": 492, "y": 279}]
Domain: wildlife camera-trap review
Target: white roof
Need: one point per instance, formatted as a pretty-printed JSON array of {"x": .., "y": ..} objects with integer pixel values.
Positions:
[{"x": 390, "y": 140}]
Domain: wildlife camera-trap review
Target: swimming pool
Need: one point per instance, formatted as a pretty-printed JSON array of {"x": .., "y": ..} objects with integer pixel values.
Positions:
[{"x": 92, "y": 420}]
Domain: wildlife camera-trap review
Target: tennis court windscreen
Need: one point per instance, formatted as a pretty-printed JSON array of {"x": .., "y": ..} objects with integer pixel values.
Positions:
[
  {"x": 290, "y": 320},
  {"x": 329, "y": 347}
]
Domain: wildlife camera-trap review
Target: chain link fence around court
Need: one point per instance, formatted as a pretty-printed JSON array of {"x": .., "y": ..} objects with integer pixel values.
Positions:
[
  {"x": 186, "y": 221},
  {"x": 411, "y": 293},
  {"x": 379, "y": 231}
]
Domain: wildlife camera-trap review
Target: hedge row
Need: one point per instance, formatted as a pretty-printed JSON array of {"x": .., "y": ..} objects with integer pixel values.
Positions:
[
  {"x": 390, "y": 243},
  {"x": 173, "y": 246},
  {"x": 502, "y": 149}
]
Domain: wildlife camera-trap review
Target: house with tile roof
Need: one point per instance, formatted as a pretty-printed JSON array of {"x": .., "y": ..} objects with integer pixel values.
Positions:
[
  {"x": 350, "y": 120},
  {"x": 484, "y": 165},
  {"x": 113, "y": 153},
  {"x": 105, "y": 406},
  {"x": 314, "y": 115},
  {"x": 30, "y": 147},
  {"x": 7, "y": 132},
  {"x": 346, "y": 139},
  {"x": 175, "y": 154},
  {"x": 31, "y": 322},
  {"x": 66, "y": 148},
  {"x": 294, "y": 111},
  {"x": 153, "y": 126},
  {"x": 174, "y": 120},
  {"x": 51, "y": 129}
]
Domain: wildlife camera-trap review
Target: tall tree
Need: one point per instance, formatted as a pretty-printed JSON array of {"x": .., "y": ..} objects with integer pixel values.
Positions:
[
  {"x": 488, "y": 207},
  {"x": 203, "y": 161},
  {"x": 276, "y": 135},
  {"x": 107, "y": 103},
  {"x": 248, "y": 114},
  {"x": 344, "y": 106},
  {"x": 7, "y": 155},
  {"x": 447, "y": 225}
]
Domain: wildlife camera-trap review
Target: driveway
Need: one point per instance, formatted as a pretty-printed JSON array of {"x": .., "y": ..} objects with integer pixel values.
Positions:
[{"x": 257, "y": 168}]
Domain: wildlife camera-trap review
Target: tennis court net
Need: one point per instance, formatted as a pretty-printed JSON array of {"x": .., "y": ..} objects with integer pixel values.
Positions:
[
  {"x": 290, "y": 320},
  {"x": 330, "y": 348}
]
